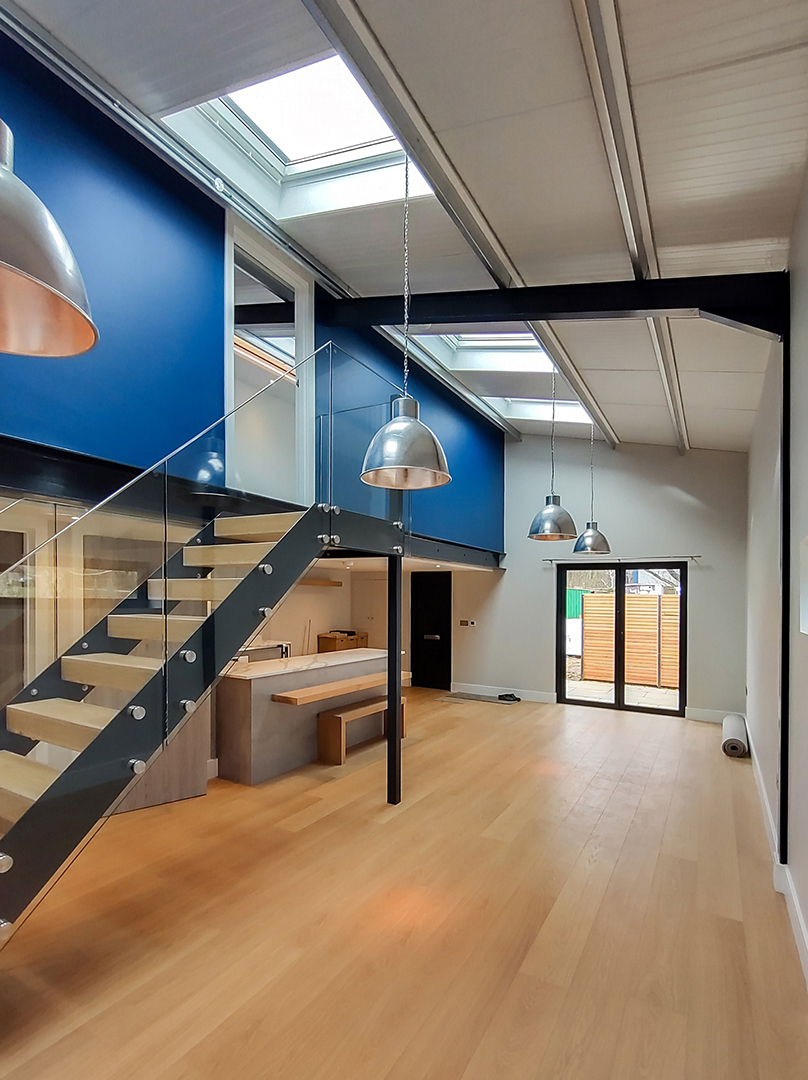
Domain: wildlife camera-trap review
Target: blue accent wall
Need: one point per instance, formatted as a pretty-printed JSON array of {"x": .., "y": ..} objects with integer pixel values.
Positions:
[
  {"x": 150, "y": 246},
  {"x": 469, "y": 510}
]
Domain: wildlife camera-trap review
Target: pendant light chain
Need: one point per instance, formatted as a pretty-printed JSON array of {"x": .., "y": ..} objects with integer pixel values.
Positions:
[
  {"x": 552, "y": 441},
  {"x": 406, "y": 271},
  {"x": 592, "y": 472}
]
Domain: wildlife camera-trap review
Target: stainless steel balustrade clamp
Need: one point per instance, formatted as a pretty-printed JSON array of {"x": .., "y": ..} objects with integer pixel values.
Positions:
[
  {"x": 187, "y": 705},
  {"x": 324, "y": 538},
  {"x": 335, "y": 510},
  {"x": 398, "y": 525},
  {"x": 6, "y": 930},
  {"x": 335, "y": 539},
  {"x": 188, "y": 655},
  {"x": 265, "y": 568},
  {"x": 137, "y": 766},
  {"x": 265, "y": 612},
  {"x": 398, "y": 549},
  {"x": 6, "y": 862},
  {"x": 137, "y": 712}
]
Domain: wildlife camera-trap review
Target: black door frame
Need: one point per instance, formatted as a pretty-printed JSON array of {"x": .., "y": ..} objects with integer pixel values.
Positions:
[{"x": 620, "y": 569}]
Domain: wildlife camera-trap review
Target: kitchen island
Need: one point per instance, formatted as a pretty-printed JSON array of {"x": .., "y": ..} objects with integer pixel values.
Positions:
[{"x": 258, "y": 737}]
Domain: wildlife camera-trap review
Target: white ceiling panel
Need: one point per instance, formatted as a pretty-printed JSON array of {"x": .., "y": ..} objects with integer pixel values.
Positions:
[
  {"x": 507, "y": 94},
  {"x": 642, "y": 423},
  {"x": 363, "y": 246},
  {"x": 720, "y": 429},
  {"x": 608, "y": 344},
  {"x": 724, "y": 150},
  {"x": 164, "y": 57},
  {"x": 626, "y": 387},
  {"x": 542, "y": 181},
  {"x": 738, "y": 257},
  {"x": 720, "y": 389},
  {"x": 662, "y": 38},
  {"x": 703, "y": 345},
  {"x": 528, "y": 53}
]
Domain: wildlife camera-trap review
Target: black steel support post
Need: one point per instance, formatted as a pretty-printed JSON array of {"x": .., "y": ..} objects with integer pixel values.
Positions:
[
  {"x": 394, "y": 679},
  {"x": 785, "y": 599}
]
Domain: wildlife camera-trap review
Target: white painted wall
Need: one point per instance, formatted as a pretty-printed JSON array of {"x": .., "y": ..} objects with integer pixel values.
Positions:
[
  {"x": 369, "y": 610},
  {"x": 328, "y": 609},
  {"x": 650, "y": 501},
  {"x": 763, "y": 591},
  {"x": 796, "y": 876}
]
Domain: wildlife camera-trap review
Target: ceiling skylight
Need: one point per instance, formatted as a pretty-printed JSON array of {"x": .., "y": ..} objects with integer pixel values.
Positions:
[
  {"x": 314, "y": 111},
  {"x": 566, "y": 412},
  {"x": 516, "y": 340}
]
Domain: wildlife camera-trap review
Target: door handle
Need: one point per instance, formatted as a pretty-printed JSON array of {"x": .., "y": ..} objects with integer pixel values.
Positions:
[{"x": 431, "y": 637}]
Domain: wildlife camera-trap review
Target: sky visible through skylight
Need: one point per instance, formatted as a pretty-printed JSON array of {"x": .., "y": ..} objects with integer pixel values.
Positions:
[{"x": 316, "y": 110}]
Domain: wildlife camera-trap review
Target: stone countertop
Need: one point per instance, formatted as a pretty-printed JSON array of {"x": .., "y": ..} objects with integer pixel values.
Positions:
[{"x": 262, "y": 669}]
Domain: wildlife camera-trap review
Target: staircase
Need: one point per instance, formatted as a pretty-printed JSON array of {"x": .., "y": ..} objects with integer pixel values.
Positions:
[{"x": 145, "y": 665}]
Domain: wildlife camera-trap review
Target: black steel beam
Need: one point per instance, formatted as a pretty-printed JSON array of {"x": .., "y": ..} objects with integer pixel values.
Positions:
[
  {"x": 265, "y": 314},
  {"x": 757, "y": 301},
  {"x": 421, "y": 547},
  {"x": 394, "y": 679}
]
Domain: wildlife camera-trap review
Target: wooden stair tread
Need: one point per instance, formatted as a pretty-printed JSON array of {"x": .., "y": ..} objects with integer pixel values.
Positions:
[
  {"x": 256, "y": 526},
  {"x": 59, "y": 721},
  {"x": 309, "y": 694},
  {"x": 207, "y": 588},
  {"x": 145, "y": 627},
  {"x": 244, "y": 554},
  {"x": 360, "y": 709},
  {"x": 117, "y": 670},
  {"x": 22, "y": 782}
]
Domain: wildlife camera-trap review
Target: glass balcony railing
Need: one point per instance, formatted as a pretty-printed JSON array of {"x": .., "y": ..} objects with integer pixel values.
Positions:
[{"x": 115, "y": 621}]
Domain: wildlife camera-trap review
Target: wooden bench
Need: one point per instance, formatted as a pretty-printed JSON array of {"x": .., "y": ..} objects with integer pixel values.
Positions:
[
  {"x": 332, "y": 724},
  {"x": 310, "y": 694}
]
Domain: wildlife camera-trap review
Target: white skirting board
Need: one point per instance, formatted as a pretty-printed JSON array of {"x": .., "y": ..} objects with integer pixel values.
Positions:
[
  {"x": 495, "y": 691},
  {"x": 781, "y": 875},
  {"x": 712, "y": 716}
]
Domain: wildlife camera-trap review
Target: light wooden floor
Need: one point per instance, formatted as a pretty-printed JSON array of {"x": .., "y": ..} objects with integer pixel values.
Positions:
[{"x": 565, "y": 892}]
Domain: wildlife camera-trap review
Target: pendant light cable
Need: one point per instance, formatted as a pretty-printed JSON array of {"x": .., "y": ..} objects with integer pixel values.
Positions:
[
  {"x": 592, "y": 472},
  {"x": 406, "y": 271},
  {"x": 552, "y": 441}
]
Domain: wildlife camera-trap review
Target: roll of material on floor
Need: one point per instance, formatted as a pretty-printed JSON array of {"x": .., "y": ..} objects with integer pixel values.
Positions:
[{"x": 734, "y": 741}]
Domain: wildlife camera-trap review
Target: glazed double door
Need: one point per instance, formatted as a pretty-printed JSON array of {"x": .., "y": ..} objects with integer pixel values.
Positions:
[{"x": 622, "y": 635}]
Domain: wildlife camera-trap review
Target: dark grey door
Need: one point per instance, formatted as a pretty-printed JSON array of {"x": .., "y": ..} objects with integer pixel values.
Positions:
[{"x": 431, "y": 629}]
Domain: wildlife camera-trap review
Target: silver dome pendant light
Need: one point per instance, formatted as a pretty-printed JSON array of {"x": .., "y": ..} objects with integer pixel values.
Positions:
[
  {"x": 405, "y": 454},
  {"x": 44, "y": 309},
  {"x": 552, "y": 522},
  {"x": 592, "y": 541}
]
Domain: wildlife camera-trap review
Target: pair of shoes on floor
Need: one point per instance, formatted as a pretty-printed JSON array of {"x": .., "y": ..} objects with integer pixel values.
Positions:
[{"x": 509, "y": 698}]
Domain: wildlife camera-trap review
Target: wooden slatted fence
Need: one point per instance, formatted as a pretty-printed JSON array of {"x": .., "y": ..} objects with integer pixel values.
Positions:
[{"x": 652, "y": 639}]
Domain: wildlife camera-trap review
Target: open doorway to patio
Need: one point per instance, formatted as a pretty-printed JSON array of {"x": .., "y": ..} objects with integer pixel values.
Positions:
[{"x": 622, "y": 635}]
